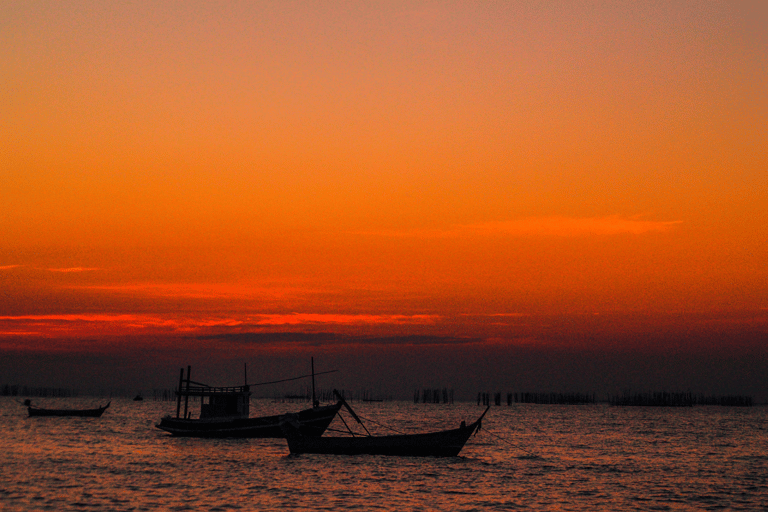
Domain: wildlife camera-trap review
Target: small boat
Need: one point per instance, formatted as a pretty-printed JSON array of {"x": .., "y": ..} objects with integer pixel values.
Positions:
[
  {"x": 90, "y": 413},
  {"x": 445, "y": 443},
  {"x": 224, "y": 412}
]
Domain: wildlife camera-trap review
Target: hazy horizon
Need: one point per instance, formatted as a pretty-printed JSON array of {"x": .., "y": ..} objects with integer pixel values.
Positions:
[{"x": 482, "y": 196}]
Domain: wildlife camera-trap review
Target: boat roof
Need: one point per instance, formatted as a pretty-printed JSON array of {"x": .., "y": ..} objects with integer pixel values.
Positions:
[{"x": 215, "y": 391}]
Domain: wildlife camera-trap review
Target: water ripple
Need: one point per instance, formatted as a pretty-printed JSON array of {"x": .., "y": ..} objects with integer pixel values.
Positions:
[{"x": 539, "y": 457}]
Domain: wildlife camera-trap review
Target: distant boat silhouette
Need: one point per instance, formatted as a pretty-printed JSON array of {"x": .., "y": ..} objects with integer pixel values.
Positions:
[
  {"x": 92, "y": 413},
  {"x": 138, "y": 398}
]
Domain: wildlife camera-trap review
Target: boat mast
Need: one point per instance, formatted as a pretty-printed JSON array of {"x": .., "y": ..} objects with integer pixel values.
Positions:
[
  {"x": 178, "y": 404},
  {"x": 186, "y": 397},
  {"x": 315, "y": 403}
]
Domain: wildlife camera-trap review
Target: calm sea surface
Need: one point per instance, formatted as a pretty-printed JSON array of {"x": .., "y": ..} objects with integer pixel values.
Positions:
[{"x": 525, "y": 457}]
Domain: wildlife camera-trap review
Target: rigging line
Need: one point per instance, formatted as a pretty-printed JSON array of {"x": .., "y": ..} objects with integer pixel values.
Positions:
[
  {"x": 329, "y": 429},
  {"x": 345, "y": 424},
  {"x": 382, "y": 425},
  {"x": 510, "y": 444},
  {"x": 293, "y": 378}
]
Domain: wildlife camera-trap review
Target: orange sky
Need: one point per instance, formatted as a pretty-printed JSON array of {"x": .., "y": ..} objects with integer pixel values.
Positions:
[{"x": 379, "y": 168}]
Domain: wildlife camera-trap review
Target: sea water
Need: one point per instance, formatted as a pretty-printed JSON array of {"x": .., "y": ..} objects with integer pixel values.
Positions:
[{"x": 537, "y": 457}]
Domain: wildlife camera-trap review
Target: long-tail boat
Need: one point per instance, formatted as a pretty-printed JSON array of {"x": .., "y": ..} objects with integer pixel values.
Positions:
[
  {"x": 91, "y": 413},
  {"x": 445, "y": 443},
  {"x": 224, "y": 412}
]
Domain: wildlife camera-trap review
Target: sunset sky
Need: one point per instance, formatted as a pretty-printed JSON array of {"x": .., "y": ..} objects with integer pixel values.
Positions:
[{"x": 512, "y": 195}]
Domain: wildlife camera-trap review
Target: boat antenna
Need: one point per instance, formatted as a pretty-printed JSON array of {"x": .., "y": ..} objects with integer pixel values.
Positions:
[{"x": 315, "y": 403}]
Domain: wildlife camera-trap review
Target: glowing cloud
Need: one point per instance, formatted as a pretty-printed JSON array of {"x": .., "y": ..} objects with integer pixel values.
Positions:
[
  {"x": 72, "y": 269},
  {"x": 564, "y": 226},
  {"x": 72, "y": 318},
  {"x": 310, "y": 318},
  {"x": 200, "y": 290},
  {"x": 102, "y": 324},
  {"x": 87, "y": 324},
  {"x": 541, "y": 226}
]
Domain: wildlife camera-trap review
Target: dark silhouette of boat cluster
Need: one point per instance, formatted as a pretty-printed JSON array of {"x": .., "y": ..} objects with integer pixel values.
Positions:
[{"x": 225, "y": 412}]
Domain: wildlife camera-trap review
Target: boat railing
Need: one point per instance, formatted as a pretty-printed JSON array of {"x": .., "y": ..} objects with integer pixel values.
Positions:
[{"x": 214, "y": 390}]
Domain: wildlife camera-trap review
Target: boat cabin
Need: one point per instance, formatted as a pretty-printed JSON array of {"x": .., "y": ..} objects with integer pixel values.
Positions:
[
  {"x": 215, "y": 401},
  {"x": 224, "y": 402}
]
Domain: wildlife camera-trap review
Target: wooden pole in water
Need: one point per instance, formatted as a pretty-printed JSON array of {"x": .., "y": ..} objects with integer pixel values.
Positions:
[
  {"x": 186, "y": 397},
  {"x": 178, "y": 404}
]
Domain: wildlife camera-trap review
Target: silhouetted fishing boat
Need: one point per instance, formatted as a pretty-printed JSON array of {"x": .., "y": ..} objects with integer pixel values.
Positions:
[
  {"x": 91, "y": 413},
  {"x": 445, "y": 443},
  {"x": 313, "y": 422},
  {"x": 224, "y": 412}
]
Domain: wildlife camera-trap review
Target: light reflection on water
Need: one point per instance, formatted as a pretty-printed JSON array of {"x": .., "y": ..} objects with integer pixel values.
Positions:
[{"x": 526, "y": 456}]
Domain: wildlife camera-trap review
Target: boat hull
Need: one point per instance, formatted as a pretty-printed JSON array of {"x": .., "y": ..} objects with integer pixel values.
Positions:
[
  {"x": 446, "y": 443},
  {"x": 313, "y": 423},
  {"x": 88, "y": 413}
]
